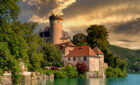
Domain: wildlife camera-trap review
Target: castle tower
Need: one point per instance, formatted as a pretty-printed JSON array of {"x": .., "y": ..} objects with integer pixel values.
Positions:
[{"x": 56, "y": 24}]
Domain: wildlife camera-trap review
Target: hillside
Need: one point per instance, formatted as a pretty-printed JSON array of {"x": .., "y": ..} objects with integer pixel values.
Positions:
[{"x": 132, "y": 56}]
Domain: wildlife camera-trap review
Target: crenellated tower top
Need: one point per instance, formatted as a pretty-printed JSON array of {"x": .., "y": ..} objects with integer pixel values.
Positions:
[{"x": 56, "y": 17}]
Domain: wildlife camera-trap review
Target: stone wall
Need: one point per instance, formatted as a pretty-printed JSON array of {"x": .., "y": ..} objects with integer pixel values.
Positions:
[
  {"x": 93, "y": 64},
  {"x": 101, "y": 62},
  {"x": 6, "y": 79},
  {"x": 96, "y": 74},
  {"x": 56, "y": 31}
]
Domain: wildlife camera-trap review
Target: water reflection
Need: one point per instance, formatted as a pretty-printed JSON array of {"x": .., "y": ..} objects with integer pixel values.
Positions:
[
  {"x": 132, "y": 79},
  {"x": 98, "y": 81}
]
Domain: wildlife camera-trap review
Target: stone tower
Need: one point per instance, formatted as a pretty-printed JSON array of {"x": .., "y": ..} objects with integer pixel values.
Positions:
[{"x": 56, "y": 24}]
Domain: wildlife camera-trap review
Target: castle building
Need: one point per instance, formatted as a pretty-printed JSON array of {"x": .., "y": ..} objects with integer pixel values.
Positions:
[
  {"x": 93, "y": 58},
  {"x": 55, "y": 34}
]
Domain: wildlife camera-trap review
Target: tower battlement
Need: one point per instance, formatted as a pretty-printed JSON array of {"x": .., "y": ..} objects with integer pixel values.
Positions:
[{"x": 56, "y": 17}]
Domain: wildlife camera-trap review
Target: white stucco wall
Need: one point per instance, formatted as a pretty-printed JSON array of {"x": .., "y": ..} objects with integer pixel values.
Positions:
[
  {"x": 101, "y": 62},
  {"x": 91, "y": 62},
  {"x": 72, "y": 62}
]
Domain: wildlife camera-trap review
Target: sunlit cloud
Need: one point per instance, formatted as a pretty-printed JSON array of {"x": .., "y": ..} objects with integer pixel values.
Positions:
[{"x": 80, "y": 14}]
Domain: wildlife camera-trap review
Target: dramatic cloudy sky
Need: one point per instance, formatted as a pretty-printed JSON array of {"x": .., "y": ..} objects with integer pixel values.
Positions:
[{"x": 120, "y": 17}]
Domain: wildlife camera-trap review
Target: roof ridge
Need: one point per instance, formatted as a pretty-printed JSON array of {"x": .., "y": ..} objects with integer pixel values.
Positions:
[{"x": 98, "y": 50}]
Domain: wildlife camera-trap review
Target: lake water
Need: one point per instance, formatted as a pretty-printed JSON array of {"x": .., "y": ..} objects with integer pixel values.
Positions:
[{"x": 132, "y": 79}]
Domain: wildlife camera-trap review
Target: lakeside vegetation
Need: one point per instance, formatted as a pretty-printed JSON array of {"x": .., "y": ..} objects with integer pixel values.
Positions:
[
  {"x": 69, "y": 71},
  {"x": 132, "y": 56}
]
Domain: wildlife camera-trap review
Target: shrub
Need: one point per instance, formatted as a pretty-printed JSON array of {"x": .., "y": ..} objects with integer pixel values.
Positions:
[
  {"x": 81, "y": 67},
  {"x": 1, "y": 72},
  {"x": 115, "y": 72},
  {"x": 71, "y": 71},
  {"x": 49, "y": 72},
  {"x": 82, "y": 75},
  {"x": 60, "y": 74}
]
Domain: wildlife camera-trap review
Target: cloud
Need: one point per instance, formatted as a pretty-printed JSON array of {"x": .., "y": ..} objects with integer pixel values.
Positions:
[
  {"x": 123, "y": 40},
  {"x": 132, "y": 27},
  {"x": 43, "y": 8},
  {"x": 119, "y": 16},
  {"x": 131, "y": 45},
  {"x": 126, "y": 34},
  {"x": 101, "y": 12}
]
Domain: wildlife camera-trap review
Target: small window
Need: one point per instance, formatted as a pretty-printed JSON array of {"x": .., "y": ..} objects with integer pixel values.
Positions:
[
  {"x": 74, "y": 59},
  {"x": 85, "y": 58},
  {"x": 58, "y": 21},
  {"x": 69, "y": 59},
  {"x": 79, "y": 59}
]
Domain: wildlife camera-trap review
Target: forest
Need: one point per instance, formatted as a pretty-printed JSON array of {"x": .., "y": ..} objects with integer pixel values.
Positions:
[{"x": 131, "y": 56}]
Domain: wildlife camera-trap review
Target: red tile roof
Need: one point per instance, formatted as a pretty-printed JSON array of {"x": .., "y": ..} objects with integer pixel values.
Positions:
[
  {"x": 64, "y": 45},
  {"x": 81, "y": 51},
  {"x": 98, "y": 51}
]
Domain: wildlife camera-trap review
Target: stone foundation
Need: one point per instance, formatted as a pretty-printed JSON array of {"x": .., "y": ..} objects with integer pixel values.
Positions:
[
  {"x": 6, "y": 79},
  {"x": 98, "y": 74}
]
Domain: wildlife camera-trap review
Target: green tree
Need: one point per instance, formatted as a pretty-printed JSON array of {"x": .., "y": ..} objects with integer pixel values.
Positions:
[
  {"x": 14, "y": 39},
  {"x": 97, "y": 36},
  {"x": 9, "y": 10},
  {"x": 33, "y": 42},
  {"x": 52, "y": 55},
  {"x": 11, "y": 43},
  {"x": 79, "y": 39}
]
